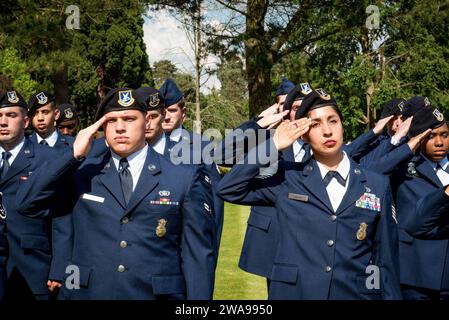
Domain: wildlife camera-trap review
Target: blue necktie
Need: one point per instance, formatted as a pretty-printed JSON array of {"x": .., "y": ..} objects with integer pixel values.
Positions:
[
  {"x": 333, "y": 174},
  {"x": 5, "y": 163},
  {"x": 126, "y": 179}
]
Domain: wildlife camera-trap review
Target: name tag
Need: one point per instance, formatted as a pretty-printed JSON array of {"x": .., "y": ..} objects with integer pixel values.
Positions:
[
  {"x": 298, "y": 197},
  {"x": 92, "y": 197}
]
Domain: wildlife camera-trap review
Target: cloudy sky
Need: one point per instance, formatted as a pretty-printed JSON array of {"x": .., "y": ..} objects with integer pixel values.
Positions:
[{"x": 165, "y": 38}]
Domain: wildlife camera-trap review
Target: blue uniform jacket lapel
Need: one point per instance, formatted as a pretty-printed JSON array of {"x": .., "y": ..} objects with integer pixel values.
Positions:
[
  {"x": 111, "y": 180},
  {"x": 148, "y": 180},
  {"x": 287, "y": 154},
  {"x": 355, "y": 189},
  {"x": 169, "y": 144},
  {"x": 33, "y": 137},
  {"x": 426, "y": 170},
  {"x": 314, "y": 183},
  {"x": 22, "y": 161}
]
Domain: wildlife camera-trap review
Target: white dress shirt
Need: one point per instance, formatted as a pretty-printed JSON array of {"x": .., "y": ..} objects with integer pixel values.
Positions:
[
  {"x": 136, "y": 162},
  {"x": 442, "y": 175},
  {"x": 14, "y": 152},
  {"x": 159, "y": 146},
  {"x": 175, "y": 135},
  {"x": 51, "y": 139},
  {"x": 298, "y": 150},
  {"x": 334, "y": 189}
]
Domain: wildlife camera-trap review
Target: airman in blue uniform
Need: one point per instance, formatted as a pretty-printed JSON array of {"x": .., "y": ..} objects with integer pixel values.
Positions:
[
  {"x": 142, "y": 227},
  {"x": 44, "y": 114},
  {"x": 68, "y": 121},
  {"x": 261, "y": 238},
  {"x": 424, "y": 263},
  {"x": 29, "y": 240},
  {"x": 180, "y": 138},
  {"x": 394, "y": 148},
  {"x": 338, "y": 238}
]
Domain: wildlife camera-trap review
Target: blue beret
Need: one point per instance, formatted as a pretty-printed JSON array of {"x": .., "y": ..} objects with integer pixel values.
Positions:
[
  {"x": 297, "y": 93},
  {"x": 68, "y": 112},
  {"x": 152, "y": 97},
  {"x": 316, "y": 99},
  {"x": 12, "y": 99},
  {"x": 120, "y": 99},
  {"x": 170, "y": 92},
  {"x": 413, "y": 105},
  {"x": 427, "y": 117},
  {"x": 285, "y": 87},
  {"x": 393, "y": 107},
  {"x": 39, "y": 99}
]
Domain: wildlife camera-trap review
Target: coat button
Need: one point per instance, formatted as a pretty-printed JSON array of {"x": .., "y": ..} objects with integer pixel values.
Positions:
[
  {"x": 123, "y": 244},
  {"x": 125, "y": 220},
  {"x": 330, "y": 243},
  {"x": 121, "y": 268},
  {"x": 328, "y": 269},
  {"x": 333, "y": 217}
]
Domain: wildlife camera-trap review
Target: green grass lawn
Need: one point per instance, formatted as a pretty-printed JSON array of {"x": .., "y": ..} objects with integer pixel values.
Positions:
[{"x": 232, "y": 283}]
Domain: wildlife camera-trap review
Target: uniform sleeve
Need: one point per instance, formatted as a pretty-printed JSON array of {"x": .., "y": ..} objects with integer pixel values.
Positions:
[
  {"x": 360, "y": 146},
  {"x": 430, "y": 219},
  {"x": 241, "y": 185},
  {"x": 198, "y": 239},
  {"x": 387, "y": 163},
  {"x": 378, "y": 151},
  {"x": 387, "y": 248},
  {"x": 235, "y": 144},
  {"x": 62, "y": 245},
  {"x": 36, "y": 194}
]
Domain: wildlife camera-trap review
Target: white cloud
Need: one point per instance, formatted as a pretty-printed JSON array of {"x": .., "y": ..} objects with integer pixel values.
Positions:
[{"x": 165, "y": 38}]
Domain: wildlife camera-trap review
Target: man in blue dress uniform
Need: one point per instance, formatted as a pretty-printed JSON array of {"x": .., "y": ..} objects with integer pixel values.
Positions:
[
  {"x": 68, "y": 120},
  {"x": 189, "y": 145},
  {"x": 29, "y": 241},
  {"x": 142, "y": 227},
  {"x": 44, "y": 114},
  {"x": 338, "y": 238}
]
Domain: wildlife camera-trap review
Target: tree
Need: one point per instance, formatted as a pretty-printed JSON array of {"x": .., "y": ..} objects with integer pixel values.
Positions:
[{"x": 80, "y": 65}]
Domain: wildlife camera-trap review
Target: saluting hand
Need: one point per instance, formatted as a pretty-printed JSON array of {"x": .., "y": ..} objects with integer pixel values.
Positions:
[
  {"x": 416, "y": 141},
  {"x": 83, "y": 141},
  {"x": 403, "y": 129},
  {"x": 274, "y": 109},
  {"x": 289, "y": 131},
  {"x": 380, "y": 125},
  {"x": 271, "y": 120}
]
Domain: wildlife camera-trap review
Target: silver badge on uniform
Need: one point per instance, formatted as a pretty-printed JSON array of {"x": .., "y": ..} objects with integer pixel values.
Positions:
[
  {"x": 438, "y": 115},
  {"x": 154, "y": 100},
  {"x": 164, "y": 193},
  {"x": 68, "y": 113},
  {"x": 323, "y": 94},
  {"x": 12, "y": 97},
  {"x": 125, "y": 98},
  {"x": 41, "y": 98},
  {"x": 305, "y": 88}
]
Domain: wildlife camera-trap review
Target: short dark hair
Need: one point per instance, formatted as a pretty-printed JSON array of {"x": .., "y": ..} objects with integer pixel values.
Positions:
[
  {"x": 337, "y": 109},
  {"x": 182, "y": 103}
]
